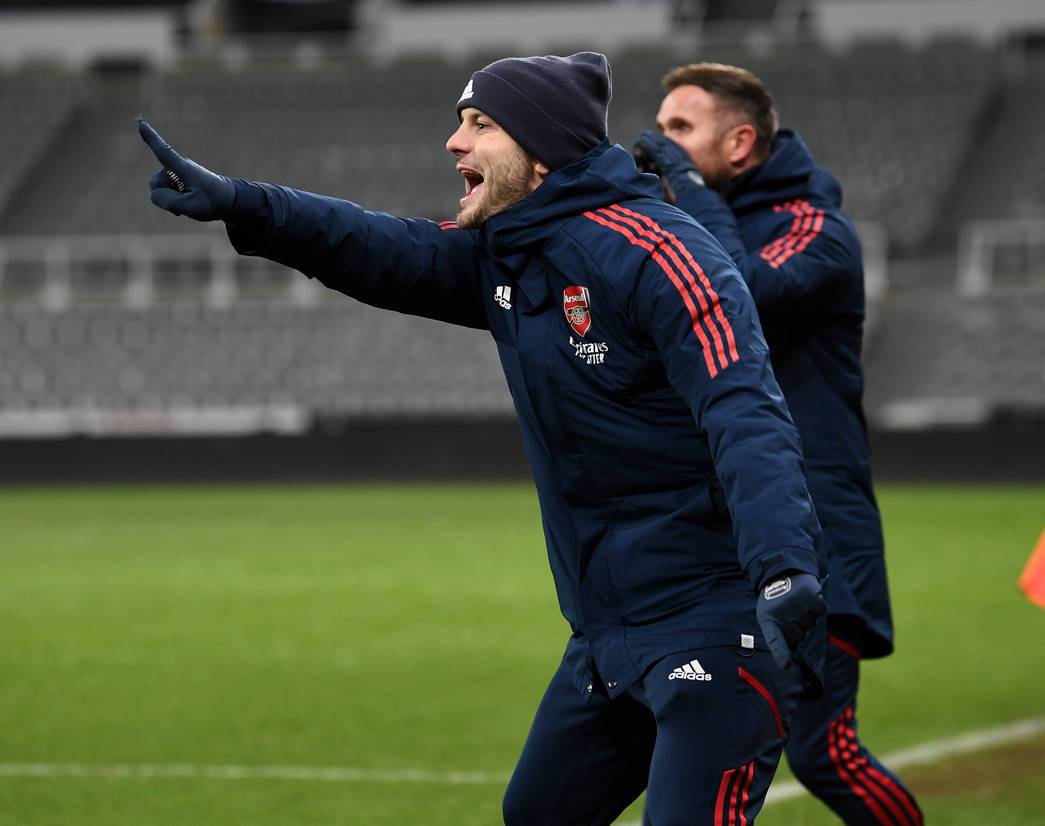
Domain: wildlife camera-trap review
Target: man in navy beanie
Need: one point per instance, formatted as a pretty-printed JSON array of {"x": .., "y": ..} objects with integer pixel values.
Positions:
[
  {"x": 553, "y": 109},
  {"x": 681, "y": 537}
]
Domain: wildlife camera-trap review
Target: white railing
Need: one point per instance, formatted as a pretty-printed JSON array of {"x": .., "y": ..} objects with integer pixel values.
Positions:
[
  {"x": 61, "y": 269},
  {"x": 60, "y": 261},
  {"x": 983, "y": 245},
  {"x": 170, "y": 420}
]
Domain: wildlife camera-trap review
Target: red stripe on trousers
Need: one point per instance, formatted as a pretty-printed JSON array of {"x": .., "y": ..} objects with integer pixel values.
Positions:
[
  {"x": 851, "y": 782},
  {"x": 720, "y": 802},
  {"x": 900, "y": 794},
  {"x": 761, "y": 689},
  {"x": 704, "y": 280},
  {"x": 693, "y": 314},
  {"x": 744, "y": 796},
  {"x": 857, "y": 767},
  {"x": 890, "y": 792},
  {"x": 842, "y": 645},
  {"x": 887, "y": 784},
  {"x": 733, "y": 797},
  {"x": 681, "y": 268}
]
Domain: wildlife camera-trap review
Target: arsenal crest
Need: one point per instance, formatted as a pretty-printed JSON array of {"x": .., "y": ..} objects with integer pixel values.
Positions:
[{"x": 577, "y": 306}]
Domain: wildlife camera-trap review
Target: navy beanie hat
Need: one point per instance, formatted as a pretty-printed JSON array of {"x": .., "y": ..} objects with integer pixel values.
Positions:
[{"x": 553, "y": 107}]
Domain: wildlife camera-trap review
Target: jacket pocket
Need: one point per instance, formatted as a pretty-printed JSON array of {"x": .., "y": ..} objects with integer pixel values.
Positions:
[
  {"x": 758, "y": 706},
  {"x": 665, "y": 552}
]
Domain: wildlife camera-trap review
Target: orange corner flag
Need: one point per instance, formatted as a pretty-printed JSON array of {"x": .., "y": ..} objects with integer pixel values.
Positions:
[{"x": 1032, "y": 580}]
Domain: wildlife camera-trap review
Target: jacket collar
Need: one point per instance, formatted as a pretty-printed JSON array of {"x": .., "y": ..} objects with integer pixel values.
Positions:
[
  {"x": 789, "y": 172},
  {"x": 604, "y": 176}
]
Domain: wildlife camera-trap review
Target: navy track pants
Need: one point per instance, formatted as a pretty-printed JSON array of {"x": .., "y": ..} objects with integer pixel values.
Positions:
[
  {"x": 826, "y": 755},
  {"x": 704, "y": 730}
]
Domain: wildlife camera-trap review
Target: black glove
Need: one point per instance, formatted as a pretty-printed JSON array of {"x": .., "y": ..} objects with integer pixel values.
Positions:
[
  {"x": 184, "y": 187},
  {"x": 662, "y": 156},
  {"x": 789, "y": 607}
]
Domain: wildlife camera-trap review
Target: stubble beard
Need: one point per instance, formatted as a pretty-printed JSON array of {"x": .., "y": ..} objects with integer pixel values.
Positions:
[
  {"x": 503, "y": 187},
  {"x": 716, "y": 174},
  {"x": 718, "y": 179}
]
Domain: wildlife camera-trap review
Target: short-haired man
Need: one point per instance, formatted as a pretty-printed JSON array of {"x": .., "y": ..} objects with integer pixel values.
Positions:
[
  {"x": 724, "y": 161},
  {"x": 668, "y": 471}
]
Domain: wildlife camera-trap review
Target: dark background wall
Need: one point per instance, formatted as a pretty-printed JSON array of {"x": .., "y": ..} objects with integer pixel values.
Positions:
[{"x": 458, "y": 450}]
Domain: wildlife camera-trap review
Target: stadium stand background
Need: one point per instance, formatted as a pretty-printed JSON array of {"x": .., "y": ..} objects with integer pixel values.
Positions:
[{"x": 133, "y": 343}]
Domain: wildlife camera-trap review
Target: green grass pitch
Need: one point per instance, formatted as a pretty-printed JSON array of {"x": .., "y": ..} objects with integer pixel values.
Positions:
[{"x": 414, "y": 627}]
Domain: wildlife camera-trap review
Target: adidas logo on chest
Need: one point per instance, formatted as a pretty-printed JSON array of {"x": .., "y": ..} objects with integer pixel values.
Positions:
[{"x": 690, "y": 671}]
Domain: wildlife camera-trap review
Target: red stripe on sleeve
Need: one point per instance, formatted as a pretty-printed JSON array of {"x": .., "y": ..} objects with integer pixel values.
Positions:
[
  {"x": 656, "y": 256},
  {"x": 804, "y": 223},
  {"x": 770, "y": 250},
  {"x": 681, "y": 268},
  {"x": 811, "y": 222},
  {"x": 798, "y": 226},
  {"x": 716, "y": 304},
  {"x": 818, "y": 224},
  {"x": 761, "y": 689},
  {"x": 805, "y": 228}
]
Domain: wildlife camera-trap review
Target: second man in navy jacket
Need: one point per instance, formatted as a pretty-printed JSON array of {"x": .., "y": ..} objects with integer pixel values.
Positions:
[{"x": 778, "y": 215}]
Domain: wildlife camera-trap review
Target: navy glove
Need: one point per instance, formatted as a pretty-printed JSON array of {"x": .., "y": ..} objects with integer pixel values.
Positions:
[
  {"x": 789, "y": 607},
  {"x": 662, "y": 156},
  {"x": 184, "y": 187}
]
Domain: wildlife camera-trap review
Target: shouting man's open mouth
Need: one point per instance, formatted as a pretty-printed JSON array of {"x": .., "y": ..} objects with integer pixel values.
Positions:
[{"x": 473, "y": 186}]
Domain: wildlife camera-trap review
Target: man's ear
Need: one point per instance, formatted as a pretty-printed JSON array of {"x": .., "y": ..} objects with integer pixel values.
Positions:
[
  {"x": 741, "y": 144},
  {"x": 541, "y": 170}
]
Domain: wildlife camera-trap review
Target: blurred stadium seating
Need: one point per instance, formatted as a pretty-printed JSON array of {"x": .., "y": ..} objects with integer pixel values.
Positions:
[
  {"x": 946, "y": 358},
  {"x": 36, "y": 106},
  {"x": 329, "y": 358},
  {"x": 886, "y": 119},
  {"x": 1008, "y": 179},
  {"x": 109, "y": 304}
]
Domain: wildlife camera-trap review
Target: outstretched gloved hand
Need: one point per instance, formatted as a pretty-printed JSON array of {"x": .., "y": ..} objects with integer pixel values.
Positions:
[
  {"x": 788, "y": 609},
  {"x": 662, "y": 156},
  {"x": 183, "y": 186}
]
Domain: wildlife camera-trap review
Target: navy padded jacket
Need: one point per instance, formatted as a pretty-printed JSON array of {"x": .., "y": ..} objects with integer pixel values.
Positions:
[
  {"x": 667, "y": 467},
  {"x": 782, "y": 223}
]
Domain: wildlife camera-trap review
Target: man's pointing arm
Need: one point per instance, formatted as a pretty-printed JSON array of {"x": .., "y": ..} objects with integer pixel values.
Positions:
[{"x": 410, "y": 265}]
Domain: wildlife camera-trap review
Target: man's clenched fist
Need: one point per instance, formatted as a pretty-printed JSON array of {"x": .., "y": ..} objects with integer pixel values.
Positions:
[
  {"x": 191, "y": 190},
  {"x": 661, "y": 156}
]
